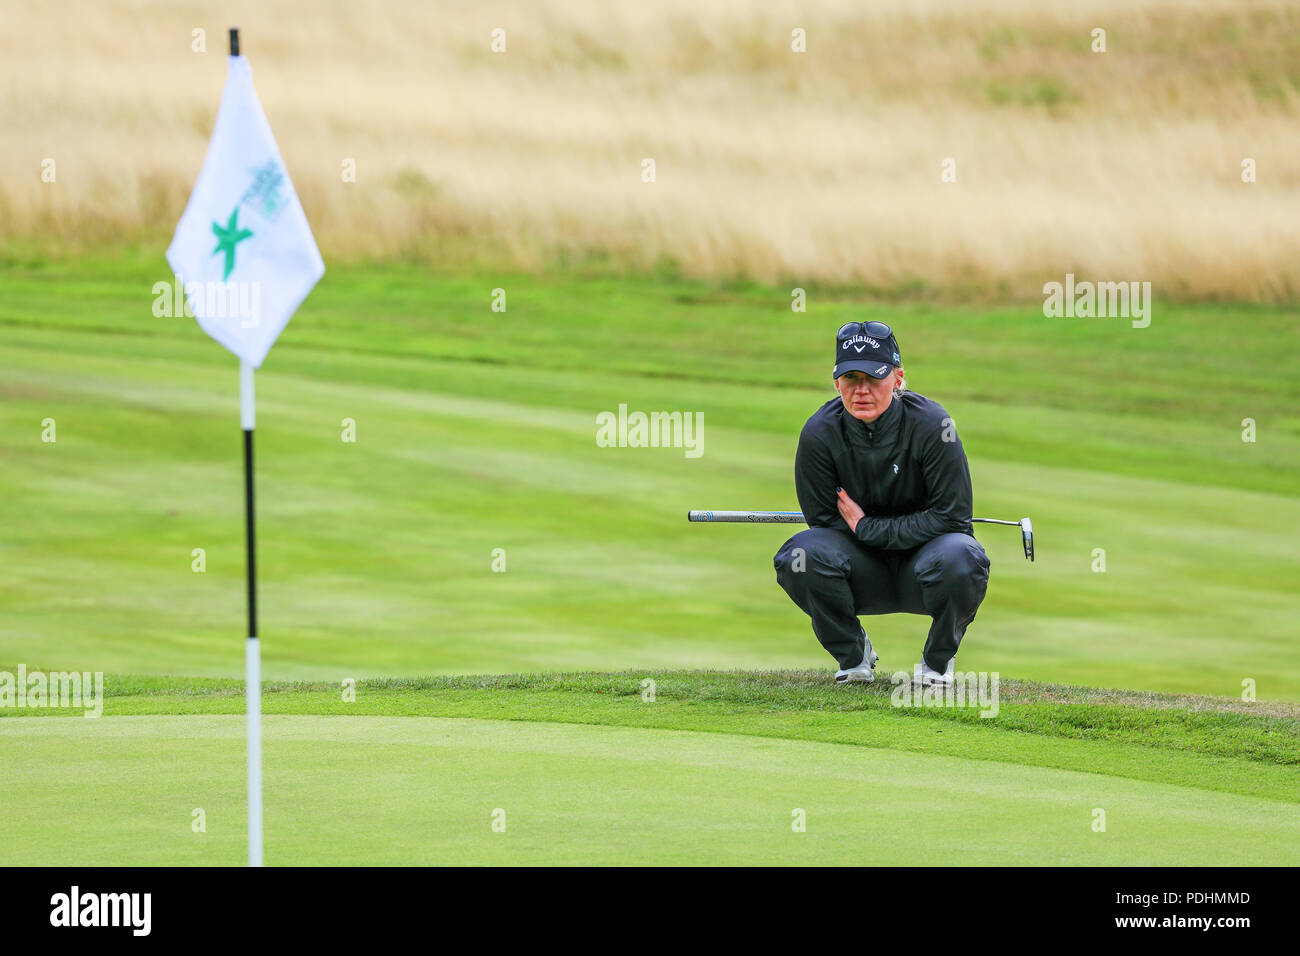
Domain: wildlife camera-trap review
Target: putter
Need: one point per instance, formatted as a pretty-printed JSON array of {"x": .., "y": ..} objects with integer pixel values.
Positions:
[{"x": 796, "y": 517}]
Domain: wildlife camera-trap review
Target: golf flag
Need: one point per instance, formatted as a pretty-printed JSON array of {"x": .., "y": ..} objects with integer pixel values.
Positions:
[
  {"x": 243, "y": 249},
  {"x": 247, "y": 259}
]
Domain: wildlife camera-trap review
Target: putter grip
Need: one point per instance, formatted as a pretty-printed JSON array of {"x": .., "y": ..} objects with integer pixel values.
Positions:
[{"x": 747, "y": 517}]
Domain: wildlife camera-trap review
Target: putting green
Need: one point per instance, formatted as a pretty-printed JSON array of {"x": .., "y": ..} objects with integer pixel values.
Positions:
[{"x": 422, "y": 790}]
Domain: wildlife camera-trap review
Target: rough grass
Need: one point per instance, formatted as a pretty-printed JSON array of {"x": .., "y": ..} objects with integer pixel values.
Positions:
[
  {"x": 1267, "y": 733},
  {"x": 786, "y": 167}
]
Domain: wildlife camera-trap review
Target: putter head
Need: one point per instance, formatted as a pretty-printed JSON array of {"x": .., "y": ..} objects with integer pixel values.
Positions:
[{"x": 1027, "y": 532}]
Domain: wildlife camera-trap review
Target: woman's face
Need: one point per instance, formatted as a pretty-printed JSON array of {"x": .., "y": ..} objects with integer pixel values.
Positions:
[{"x": 864, "y": 397}]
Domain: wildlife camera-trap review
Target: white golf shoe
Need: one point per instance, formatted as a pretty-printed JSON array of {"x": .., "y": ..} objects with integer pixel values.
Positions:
[
  {"x": 925, "y": 675},
  {"x": 865, "y": 672}
]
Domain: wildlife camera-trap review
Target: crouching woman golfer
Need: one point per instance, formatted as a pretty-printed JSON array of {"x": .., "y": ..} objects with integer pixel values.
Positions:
[{"x": 884, "y": 486}]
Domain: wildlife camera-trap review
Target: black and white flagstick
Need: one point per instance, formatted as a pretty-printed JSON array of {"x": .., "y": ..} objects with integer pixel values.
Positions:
[{"x": 252, "y": 650}]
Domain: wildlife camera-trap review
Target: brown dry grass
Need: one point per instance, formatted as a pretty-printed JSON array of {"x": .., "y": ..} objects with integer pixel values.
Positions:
[{"x": 816, "y": 167}]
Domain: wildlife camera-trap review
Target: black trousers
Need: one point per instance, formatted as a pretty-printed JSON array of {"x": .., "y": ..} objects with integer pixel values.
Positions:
[{"x": 833, "y": 578}]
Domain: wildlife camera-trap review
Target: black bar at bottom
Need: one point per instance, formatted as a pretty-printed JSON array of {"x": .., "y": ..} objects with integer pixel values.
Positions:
[{"x": 995, "y": 903}]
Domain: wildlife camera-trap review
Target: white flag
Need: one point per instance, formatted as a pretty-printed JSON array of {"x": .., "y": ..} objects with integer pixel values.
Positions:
[{"x": 243, "y": 249}]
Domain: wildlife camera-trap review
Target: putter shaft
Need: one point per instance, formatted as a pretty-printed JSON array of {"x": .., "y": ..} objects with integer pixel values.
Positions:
[{"x": 796, "y": 517}]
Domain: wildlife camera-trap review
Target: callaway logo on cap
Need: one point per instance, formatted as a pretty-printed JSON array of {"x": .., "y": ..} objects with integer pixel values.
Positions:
[
  {"x": 859, "y": 338},
  {"x": 868, "y": 347}
]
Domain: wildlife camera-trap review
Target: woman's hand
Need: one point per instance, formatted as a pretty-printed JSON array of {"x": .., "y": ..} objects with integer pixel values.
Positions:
[{"x": 849, "y": 509}]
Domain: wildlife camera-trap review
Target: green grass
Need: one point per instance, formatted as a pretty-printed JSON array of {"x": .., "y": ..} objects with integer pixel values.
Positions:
[
  {"x": 375, "y": 557},
  {"x": 589, "y": 770},
  {"x": 375, "y": 564}
]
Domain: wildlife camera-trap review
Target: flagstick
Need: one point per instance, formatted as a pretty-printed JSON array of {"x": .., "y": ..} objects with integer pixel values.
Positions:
[
  {"x": 252, "y": 649},
  {"x": 290, "y": 247},
  {"x": 253, "y": 652}
]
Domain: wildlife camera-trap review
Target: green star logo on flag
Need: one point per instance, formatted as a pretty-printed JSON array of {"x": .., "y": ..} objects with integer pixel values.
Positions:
[{"x": 227, "y": 239}]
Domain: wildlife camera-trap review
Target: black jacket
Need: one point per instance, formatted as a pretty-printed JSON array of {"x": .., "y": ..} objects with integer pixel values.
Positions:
[{"x": 907, "y": 471}]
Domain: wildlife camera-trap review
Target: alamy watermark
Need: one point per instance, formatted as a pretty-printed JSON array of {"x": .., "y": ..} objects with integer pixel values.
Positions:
[
  {"x": 1126, "y": 300},
  {"x": 217, "y": 300},
  {"x": 69, "y": 689},
  {"x": 972, "y": 689},
  {"x": 653, "y": 430},
  {"x": 132, "y": 911}
]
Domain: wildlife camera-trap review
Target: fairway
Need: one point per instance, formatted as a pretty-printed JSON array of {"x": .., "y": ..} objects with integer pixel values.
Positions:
[
  {"x": 376, "y": 559},
  {"x": 421, "y": 790},
  {"x": 376, "y": 556}
]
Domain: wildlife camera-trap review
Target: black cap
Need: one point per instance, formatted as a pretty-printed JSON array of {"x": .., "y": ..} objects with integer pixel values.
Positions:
[{"x": 860, "y": 351}]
